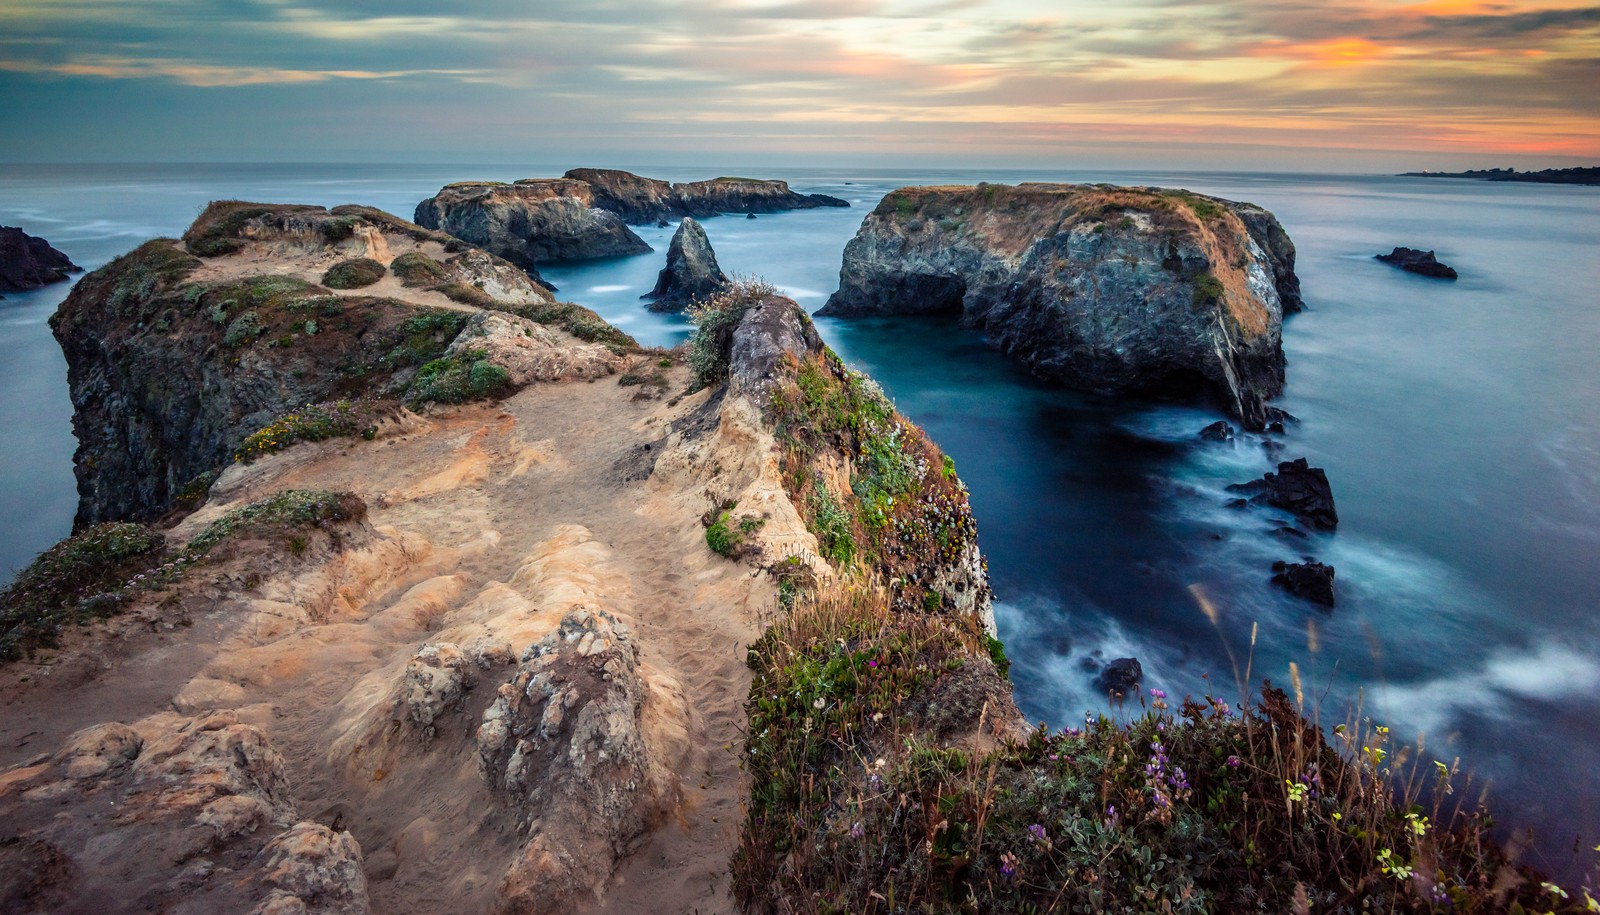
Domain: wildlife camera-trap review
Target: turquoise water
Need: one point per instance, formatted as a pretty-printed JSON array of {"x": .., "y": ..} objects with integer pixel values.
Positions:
[{"x": 1457, "y": 423}]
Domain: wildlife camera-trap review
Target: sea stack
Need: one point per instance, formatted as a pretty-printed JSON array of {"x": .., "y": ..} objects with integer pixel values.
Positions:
[
  {"x": 27, "y": 262},
  {"x": 691, "y": 272},
  {"x": 1146, "y": 291}
]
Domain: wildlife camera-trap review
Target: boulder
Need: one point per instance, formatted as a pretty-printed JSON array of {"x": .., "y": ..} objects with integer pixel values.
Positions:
[
  {"x": 1297, "y": 488},
  {"x": 1120, "y": 290},
  {"x": 1121, "y": 678},
  {"x": 691, "y": 272},
  {"x": 27, "y": 262},
  {"x": 1218, "y": 431},
  {"x": 1422, "y": 263},
  {"x": 1310, "y": 580}
]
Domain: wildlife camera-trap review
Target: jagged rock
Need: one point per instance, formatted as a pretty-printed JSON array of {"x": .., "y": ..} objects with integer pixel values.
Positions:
[
  {"x": 1297, "y": 488},
  {"x": 1310, "y": 580},
  {"x": 313, "y": 870},
  {"x": 1218, "y": 431},
  {"x": 1419, "y": 262},
  {"x": 530, "y": 222},
  {"x": 437, "y": 679},
  {"x": 27, "y": 262},
  {"x": 1121, "y": 678},
  {"x": 691, "y": 272},
  {"x": 565, "y": 745},
  {"x": 771, "y": 330},
  {"x": 1135, "y": 290}
]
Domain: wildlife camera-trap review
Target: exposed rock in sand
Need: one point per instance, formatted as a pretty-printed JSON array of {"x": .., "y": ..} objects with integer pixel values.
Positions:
[
  {"x": 1135, "y": 290},
  {"x": 531, "y": 352},
  {"x": 27, "y": 262},
  {"x": 691, "y": 272}
]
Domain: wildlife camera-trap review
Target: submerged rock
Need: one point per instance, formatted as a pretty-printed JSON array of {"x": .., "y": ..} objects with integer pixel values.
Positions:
[
  {"x": 1121, "y": 678},
  {"x": 1297, "y": 488},
  {"x": 1423, "y": 263},
  {"x": 1135, "y": 290},
  {"x": 27, "y": 262},
  {"x": 691, "y": 272},
  {"x": 1310, "y": 580}
]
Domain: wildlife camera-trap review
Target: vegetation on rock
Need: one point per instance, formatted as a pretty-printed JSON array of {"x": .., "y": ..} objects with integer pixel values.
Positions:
[
  {"x": 313, "y": 423},
  {"x": 77, "y": 579},
  {"x": 416, "y": 269},
  {"x": 353, "y": 273},
  {"x": 458, "y": 378},
  {"x": 714, "y": 321}
]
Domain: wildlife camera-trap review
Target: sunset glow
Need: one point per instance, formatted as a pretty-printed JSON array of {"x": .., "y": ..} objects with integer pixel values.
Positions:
[{"x": 1013, "y": 79}]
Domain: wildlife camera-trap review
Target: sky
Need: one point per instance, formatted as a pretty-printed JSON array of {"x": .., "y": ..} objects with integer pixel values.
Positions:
[{"x": 1281, "y": 84}]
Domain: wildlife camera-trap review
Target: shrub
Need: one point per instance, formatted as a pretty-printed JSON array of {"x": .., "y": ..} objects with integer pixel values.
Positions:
[
  {"x": 354, "y": 273},
  {"x": 1207, "y": 289},
  {"x": 714, "y": 322},
  {"x": 311, "y": 423},
  {"x": 416, "y": 269},
  {"x": 243, "y": 330},
  {"x": 423, "y": 337},
  {"x": 723, "y": 539},
  {"x": 458, "y": 378},
  {"x": 81, "y": 577}
]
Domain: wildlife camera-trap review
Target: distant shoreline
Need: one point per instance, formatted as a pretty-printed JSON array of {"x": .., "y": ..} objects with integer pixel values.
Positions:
[{"x": 1590, "y": 175}]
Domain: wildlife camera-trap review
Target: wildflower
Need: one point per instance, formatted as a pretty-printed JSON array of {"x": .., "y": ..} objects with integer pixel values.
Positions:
[
  {"x": 1234, "y": 762},
  {"x": 1036, "y": 833},
  {"x": 1158, "y": 694},
  {"x": 1008, "y": 865},
  {"x": 857, "y": 830},
  {"x": 872, "y": 663},
  {"x": 820, "y": 703}
]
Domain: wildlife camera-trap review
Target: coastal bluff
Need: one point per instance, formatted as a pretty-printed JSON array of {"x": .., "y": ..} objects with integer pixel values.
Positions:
[
  {"x": 1147, "y": 291},
  {"x": 585, "y": 214}
]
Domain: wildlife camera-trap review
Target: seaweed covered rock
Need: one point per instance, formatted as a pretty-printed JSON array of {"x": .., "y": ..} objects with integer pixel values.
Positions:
[
  {"x": 27, "y": 262},
  {"x": 691, "y": 272},
  {"x": 1137, "y": 290}
]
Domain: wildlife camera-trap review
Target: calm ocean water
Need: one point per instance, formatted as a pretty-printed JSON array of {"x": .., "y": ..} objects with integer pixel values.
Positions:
[{"x": 1457, "y": 422}]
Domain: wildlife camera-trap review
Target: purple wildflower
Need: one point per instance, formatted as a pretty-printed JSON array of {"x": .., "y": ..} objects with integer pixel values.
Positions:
[
  {"x": 1234, "y": 762},
  {"x": 1158, "y": 694}
]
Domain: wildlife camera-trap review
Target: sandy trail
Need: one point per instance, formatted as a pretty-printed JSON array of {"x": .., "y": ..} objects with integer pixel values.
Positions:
[{"x": 463, "y": 506}]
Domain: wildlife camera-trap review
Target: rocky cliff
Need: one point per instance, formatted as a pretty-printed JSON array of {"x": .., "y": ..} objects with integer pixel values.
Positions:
[
  {"x": 27, "y": 262},
  {"x": 586, "y": 213},
  {"x": 691, "y": 272},
  {"x": 530, "y": 222},
  {"x": 173, "y": 359},
  {"x": 1140, "y": 290}
]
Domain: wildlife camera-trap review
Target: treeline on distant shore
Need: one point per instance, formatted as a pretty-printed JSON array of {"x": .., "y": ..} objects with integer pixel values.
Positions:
[{"x": 1585, "y": 175}]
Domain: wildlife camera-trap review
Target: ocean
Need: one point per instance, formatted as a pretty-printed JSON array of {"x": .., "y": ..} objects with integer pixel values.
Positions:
[{"x": 1458, "y": 423}]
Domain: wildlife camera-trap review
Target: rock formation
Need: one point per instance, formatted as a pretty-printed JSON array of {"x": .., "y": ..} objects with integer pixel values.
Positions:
[
  {"x": 1422, "y": 263},
  {"x": 691, "y": 272},
  {"x": 1137, "y": 290},
  {"x": 173, "y": 359},
  {"x": 1310, "y": 580},
  {"x": 586, "y": 213},
  {"x": 28, "y": 263},
  {"x": 1298, "y": 488},
  {"x": 530, "y": 222}
]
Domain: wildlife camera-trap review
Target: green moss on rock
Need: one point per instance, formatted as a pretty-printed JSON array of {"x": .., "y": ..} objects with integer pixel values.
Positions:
[{"x": 355, "y": 273}]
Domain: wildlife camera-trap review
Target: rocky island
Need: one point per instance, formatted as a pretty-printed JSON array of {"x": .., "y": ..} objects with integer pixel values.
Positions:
[
  {"x": 691, "y": 272},
  {"x": 1423, "y": 263},
  {"x": 586, "y": 213},
  {"x": 1140, "y": 290},
  {"x": 399, "y": 586},
  {"x": 27, "y": 262}
]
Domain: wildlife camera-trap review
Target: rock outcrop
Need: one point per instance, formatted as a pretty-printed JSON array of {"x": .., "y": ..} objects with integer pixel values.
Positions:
[
  {"x": 1297, "y": 488},
  {"x": 586, "y": 213},
  {"x": 530, "y": 222},
  {"x": 174, "y": 359},
  {"x": 1137, "y": 290},
  {"x": 1310, "y": 580},
  {"x": 691, "y": 272},
  {"x": 1422, "y": 263},
  {"x": 171, "y": 814},
  {"x": 27, "y": 262}
]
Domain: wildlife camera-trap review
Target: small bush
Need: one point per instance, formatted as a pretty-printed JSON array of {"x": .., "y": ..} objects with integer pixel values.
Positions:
[
  {"x": 1207, "y": 289},
  {"x": 415, "y": 269},
  {"x": 82, "y": 577},
  {"x": 355, "y": 273},
  {"x": 714, "y": 322},
  {"x": 458, "y": 378},
  {"x": 243, "y": 329},
  {"x": 423, "y": 337},
  {"x": 723, "y": 539},
  {"x": 312, "y": 423}
]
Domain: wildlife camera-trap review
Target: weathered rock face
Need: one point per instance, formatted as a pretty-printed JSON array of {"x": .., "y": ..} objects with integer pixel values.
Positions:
[
  {"x": 691, "y": 272},
  {"x": 171, "y": 814},
  {"x": 565, "y": 745},
  {"x": 28, "y": 263},
  {"x": 1137, "y": 290},
  {"x": 530, "y": 222},
  {"x": 638, "y": 200},
  {"x": 1422, "y": 263}
]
